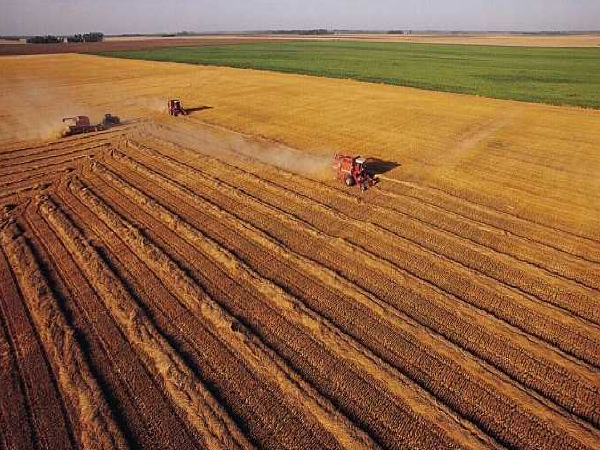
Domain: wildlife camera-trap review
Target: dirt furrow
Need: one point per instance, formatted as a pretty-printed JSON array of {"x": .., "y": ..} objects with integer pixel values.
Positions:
[
  {"x": 282, "y": 300},
  {"x": 531, "y": 320},
  {"x": 253, "y": 401},
  {"x": 182, "y": 227},
  {"x": 98, "y": 429},
  {"x": 15, "y": 420},
  {"x": 217, "y": 430}
]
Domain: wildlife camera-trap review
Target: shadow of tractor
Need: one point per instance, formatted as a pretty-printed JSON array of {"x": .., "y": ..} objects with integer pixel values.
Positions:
[
  {"x": 376, "y": 166},
  {"x": 196, "y": 109}
]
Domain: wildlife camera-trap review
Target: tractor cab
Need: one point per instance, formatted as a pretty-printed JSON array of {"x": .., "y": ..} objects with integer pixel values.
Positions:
[{"x": 175, "y": 108}]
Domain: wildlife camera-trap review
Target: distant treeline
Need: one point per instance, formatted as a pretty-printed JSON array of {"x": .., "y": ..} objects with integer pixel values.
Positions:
[
  {"x": 319, "y": 31},
  {"x": 49, "y": 39}
]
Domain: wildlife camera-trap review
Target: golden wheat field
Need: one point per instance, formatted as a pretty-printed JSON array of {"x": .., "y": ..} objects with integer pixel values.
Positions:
[{"x": 204, "y": 282}]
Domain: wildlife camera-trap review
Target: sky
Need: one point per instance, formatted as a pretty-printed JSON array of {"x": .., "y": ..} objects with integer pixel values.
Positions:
[{"x": 26, "y": 17}]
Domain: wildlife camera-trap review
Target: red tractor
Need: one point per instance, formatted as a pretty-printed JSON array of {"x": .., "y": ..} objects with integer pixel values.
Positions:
[
  {"x": 351, "y": 170},
  {"x": 175, "y": 108}
]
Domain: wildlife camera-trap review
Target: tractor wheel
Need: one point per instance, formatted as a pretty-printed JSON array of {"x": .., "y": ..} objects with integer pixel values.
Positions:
[{"x": 349, "y": 181}]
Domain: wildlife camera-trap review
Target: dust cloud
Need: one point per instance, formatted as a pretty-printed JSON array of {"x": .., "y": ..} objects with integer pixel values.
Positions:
[
  {"x": 215, "y": 141},
  {"x": 37, "y": 110}
]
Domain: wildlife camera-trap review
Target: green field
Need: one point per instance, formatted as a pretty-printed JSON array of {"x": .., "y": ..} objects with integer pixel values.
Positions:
[{"x": 559, "y": 76}]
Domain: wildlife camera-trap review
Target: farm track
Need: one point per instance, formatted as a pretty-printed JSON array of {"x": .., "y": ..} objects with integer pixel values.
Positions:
[
  {"x": 204, "y": 299},
  {"x": 113, "y": 182}
]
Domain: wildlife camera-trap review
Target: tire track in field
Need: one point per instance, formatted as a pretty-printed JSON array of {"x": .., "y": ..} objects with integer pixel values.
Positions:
[
  {"x": 95, "y": 421},
  {"x": 181, "y": 225},
  {"x": 507, "y": 313},
  {"x": 283, "y": 301},
  {"x": 253, "y": 402},
  {"x": 203, "y": 412}
]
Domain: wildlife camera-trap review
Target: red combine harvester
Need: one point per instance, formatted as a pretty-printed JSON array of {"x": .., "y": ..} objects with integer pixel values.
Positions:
[
  {"x": 78, "y": 125},
  {"x": 351, "y": 170},
  {"x": 175, "y": 108}
]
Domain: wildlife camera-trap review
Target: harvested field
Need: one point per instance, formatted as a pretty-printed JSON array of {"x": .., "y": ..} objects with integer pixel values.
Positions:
[{"x": 172, "y": 284}]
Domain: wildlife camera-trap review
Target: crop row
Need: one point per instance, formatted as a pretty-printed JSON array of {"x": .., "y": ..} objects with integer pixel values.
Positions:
[
  {"x": 464, "y": 283},
  {"x": 255, "y": 353},
  {"x": 94, "y": 418},
  {"x": 354, "y": 362},
  {"x": 529, "y": 318},
  {"x": 304, "y": 266},
  {"x": 188, "y": 393},
  {"x": 493, "y": 266}
]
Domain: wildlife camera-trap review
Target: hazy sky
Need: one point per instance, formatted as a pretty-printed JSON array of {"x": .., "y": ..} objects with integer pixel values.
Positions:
[{"x": 147, "y": 16}]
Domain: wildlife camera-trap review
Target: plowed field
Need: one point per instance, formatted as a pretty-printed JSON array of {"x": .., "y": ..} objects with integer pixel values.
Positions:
[{"x": 168, "y": 284}]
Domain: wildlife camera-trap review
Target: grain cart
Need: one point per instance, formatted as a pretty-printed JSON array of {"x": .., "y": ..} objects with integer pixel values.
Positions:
[
  {"x": 351, "y": 170},
  {"x": 175, "y": 108}
]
